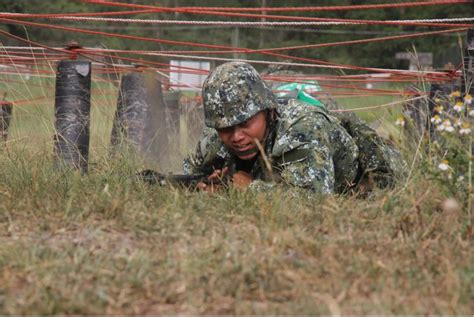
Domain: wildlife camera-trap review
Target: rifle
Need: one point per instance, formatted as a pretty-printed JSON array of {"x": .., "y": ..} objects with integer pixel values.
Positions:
[{"x": 181, "y": 180}]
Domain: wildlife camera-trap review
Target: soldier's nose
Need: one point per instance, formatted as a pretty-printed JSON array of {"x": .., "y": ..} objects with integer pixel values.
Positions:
[{"x": 237, "y": 136}]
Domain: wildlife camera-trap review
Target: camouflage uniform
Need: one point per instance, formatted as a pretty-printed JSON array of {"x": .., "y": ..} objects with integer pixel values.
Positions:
[{"x": 304, "y": 146}]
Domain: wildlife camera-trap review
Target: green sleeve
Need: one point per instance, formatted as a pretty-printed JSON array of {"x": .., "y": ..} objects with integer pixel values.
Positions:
[{"x": 209, "y": 154}]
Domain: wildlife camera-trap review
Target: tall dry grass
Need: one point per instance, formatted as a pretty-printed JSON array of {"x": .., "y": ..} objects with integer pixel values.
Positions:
[{"x": 102, "y": 243}]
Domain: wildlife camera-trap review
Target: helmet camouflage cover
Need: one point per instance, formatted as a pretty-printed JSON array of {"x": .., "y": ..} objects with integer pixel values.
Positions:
[{"x": 233, "y": 93}]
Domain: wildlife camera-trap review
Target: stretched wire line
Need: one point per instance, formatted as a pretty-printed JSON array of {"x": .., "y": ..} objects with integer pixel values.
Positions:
[
  {"x": 164, "y": 53},
  {"x": 82, "y": 14},
  {"x": 23, "y": 101},
  {"x": 331, "y": 65},
  {"x": 244, "y": 50},
  {"x": 253, "y": 61},
  {"x": 179, "y": 82},
  {"x": 124, "y": 36},
  {"x": 379, "y": 106},
  {"x": 274, "y": 78},
  {"x": 227, "y": 23},
  {"x": 267, "y": 16},
  {"x": 304, "y": 9},
  {"x": 361, "y": 41}
]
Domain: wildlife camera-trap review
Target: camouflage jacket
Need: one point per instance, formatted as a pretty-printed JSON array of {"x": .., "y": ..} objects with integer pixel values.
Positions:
[{"x": 305, "y": 147}]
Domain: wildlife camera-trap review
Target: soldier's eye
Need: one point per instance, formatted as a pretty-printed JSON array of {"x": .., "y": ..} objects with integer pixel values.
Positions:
[
  {"x": 245, "y": 123},
  {"x": 225, "y": 130}
]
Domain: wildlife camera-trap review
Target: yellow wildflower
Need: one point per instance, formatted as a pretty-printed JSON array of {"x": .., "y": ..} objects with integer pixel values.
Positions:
[
  {"x": 438, "y": 108},
  {"x": 436, "y": 119},
  {"x": 400, "y": 121},
  {"x": 468, "y": 99},
  {"x": 465, "y": 129},
  {"x": 455, "y": 93},
  {"x": 459, "y": 106}
]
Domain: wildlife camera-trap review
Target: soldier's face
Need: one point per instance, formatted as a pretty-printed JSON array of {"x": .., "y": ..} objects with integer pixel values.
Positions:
[{"x": 241, "y": 138}]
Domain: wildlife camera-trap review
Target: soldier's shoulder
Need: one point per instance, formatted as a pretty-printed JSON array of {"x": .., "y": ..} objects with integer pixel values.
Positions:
[
  {"x": 299, "y": 124},
  {"x": 297, "y": 113}
]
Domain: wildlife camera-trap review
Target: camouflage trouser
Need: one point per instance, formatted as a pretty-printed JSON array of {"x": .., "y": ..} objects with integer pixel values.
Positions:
[{"x": 379, "y": 161}]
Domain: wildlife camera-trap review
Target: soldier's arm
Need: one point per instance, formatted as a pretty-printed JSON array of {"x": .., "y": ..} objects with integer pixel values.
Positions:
[
  {"x": 305, "y": 155},
  {"x": 209, "y": 155},
  {"x": 312, "y": 168}
]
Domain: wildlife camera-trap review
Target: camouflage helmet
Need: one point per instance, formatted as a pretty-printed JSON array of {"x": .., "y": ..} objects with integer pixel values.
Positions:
[{"x": 233, "y": 93}]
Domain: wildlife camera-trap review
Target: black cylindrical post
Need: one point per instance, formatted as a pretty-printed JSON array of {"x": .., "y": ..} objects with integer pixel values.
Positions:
[
  {"x": 140, "y": 119},
  {"x": 131, "y": 113},
  {"x": 72, "y": 113},
  {"x": 6, "y": 109}
]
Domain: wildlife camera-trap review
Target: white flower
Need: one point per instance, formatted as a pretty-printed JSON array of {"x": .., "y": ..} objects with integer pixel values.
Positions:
[
  {"x": 471, "y": 113},
  {"x": 436, "y": 119},
  {"x": 449, "y": 128},
  {"x": 465, "y": 129},
  {"x": 457, "y": 122},
  {"x": 468, "y": 99},
  {"x": 400, "y": 121},
  {"x": 459, "y": 106},
  {"x": 444, "y": 166},
  {"x": 445, "y": 126}
]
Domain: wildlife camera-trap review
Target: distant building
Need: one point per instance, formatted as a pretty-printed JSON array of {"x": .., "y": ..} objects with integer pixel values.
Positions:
[
  {"x": 423, "y": 61},
  {"x": 188, "y": 75}
]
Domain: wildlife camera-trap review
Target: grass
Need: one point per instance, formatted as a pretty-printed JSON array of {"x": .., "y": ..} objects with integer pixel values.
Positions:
[{"x": 104, "y": 244}]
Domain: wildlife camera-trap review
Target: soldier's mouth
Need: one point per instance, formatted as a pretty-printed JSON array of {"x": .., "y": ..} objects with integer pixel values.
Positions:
[
  {"x": 242, "y": 151},
  {"x": 243, "y": 148}
]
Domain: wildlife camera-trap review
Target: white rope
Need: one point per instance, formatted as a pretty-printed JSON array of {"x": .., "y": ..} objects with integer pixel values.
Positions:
[
  {"x": 235, "y": 23},
  {"x": 379, "y": 106},
  {"x": 435, "y": 20}
]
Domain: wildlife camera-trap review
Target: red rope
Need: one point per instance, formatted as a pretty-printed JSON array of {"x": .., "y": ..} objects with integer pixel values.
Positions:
[
  {"x": 243, "y": 50},
  {"x": 23, "y": 101},
  {"x": 129, "y": 37},
  {"x": 81, "y": 14},
  {"x": 333, "y": 8},
  {"x": 361, "y": 41},
  {"x": 341, "y": 43},
  {"x": 310, "y": 8},
  {"x": 34, "y": 43},
  {"x": 182, "y": 69},
  {"x": 268, "y": 16},
  {"x": 437, "y": 77}
]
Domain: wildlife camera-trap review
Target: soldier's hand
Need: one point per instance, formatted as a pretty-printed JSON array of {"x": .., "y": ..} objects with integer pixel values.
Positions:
[
  {"x": 241, "y": 180},
  {"x": 218, "y": 174},
  {"x": 215, "y": 176},
  {"x": 209, "y": 188}
]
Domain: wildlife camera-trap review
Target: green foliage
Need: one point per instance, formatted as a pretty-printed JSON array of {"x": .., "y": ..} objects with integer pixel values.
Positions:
[{"x": 449, "y": 147}]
